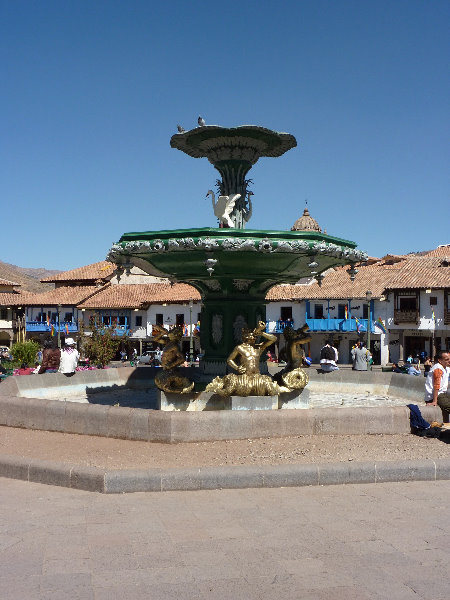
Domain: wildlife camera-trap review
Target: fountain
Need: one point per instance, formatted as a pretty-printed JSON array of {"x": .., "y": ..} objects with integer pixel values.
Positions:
[{"x": 232, "y": 267}]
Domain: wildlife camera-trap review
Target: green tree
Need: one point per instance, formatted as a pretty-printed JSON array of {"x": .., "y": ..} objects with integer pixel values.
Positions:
[
  {"x": 25, "y": 352},
  {"x": 101, "y": 346}
]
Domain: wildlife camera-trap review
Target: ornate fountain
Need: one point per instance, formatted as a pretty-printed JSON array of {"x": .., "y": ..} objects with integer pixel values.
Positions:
[{"x": 232, "y": 267}]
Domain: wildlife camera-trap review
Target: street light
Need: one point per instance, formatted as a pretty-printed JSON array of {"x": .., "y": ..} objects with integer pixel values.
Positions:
[
  {"x": 191, "y": 340},
  {"x": 59, "y": 325},
  {"x": 369, "y": 317}
]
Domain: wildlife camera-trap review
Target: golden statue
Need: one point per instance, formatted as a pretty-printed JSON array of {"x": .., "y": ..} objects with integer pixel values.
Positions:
[
  {"x": 170, "y": 380},
  {"x": 245, "y": 360},
  {"x": 293, "y": 376}
]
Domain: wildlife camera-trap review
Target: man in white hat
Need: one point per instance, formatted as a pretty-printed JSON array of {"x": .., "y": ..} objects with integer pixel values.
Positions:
[{"x": 69, "y": 358}]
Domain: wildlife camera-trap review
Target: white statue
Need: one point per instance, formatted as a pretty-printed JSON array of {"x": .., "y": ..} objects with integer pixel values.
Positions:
[{"x": 223, "y": 208}]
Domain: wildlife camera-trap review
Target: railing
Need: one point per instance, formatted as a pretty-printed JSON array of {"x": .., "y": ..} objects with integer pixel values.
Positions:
[
  {"x": 344, "y": 325},
  {"x": 38, "y": 326},
  {"x": 406, "y": 316},
  {"x": 278, "y": 326}
]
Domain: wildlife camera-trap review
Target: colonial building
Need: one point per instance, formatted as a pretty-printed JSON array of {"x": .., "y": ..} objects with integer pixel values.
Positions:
[{"x": 11, "y": 311}]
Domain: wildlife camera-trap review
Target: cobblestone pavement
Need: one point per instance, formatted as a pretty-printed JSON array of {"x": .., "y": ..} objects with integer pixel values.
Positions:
[{"x": 354, "y": 542}]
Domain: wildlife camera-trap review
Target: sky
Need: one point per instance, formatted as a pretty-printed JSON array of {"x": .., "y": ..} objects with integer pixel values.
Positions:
[{"x": 92, "y": 91}]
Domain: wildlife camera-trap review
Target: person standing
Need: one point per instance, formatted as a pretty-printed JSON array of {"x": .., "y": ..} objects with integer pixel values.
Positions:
[
  {"x": 436, "y": 384},
  {"x": 360, "y": 357},
  {"x": 50, "y": 358},
  {"x": 69, "y": 358}
]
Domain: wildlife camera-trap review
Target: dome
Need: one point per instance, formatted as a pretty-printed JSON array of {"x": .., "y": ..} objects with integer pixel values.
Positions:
[{"x": 306, "y": 223}]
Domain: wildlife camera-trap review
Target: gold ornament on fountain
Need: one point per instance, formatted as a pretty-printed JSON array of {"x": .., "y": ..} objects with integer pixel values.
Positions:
[
  {"x": 245, "y": 360},
  {"x": 171, "y": 380},
  {"x": 293, "y": 376}
]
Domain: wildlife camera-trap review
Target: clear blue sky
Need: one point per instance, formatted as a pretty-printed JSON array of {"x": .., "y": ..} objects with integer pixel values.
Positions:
[{"x": 92, "y": 92}]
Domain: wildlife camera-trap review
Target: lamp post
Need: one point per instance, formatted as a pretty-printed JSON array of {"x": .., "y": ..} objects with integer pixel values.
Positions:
[
  {"x": 369, "y": 317},
  {"x": 191, "y": 340},
  {"x": 59, "y": 325}
]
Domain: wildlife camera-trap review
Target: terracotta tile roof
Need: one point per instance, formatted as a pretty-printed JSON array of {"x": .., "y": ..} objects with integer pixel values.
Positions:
[
  {"x": 421, "y": 272},
  {"x": 15, "y": 298},
  {"x": 100, "y": 270},
  {"x": 443, "y": 250},
  {"x": 6, "y": 282},
  {"x": 65, "y": 295},
  {"x": 140, "y": 295},
  {"x": 337, "y": 284}
]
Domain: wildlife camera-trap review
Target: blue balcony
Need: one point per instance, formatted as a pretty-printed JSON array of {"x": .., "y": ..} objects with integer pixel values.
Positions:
[
  {"x": 43, "y": 327},
  {"x": 122, "y": 330},
  {"x": 342, "y": 325},
  {"x": 278, "y": 326}
]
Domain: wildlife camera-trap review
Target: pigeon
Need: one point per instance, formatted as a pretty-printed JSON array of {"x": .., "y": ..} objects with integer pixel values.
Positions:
[
  {"x": 201, "y": 121},
  {"x": 180, "y": 129}
]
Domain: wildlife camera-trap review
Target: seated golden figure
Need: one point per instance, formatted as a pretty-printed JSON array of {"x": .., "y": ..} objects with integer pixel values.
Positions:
[{"x": 245, "y": 360}]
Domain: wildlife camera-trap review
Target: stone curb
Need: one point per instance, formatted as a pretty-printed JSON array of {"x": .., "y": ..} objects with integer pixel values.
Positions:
[{"x": 93, "y": 479}]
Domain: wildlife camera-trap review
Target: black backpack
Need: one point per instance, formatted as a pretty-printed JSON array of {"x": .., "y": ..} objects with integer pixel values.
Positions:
[{"x": 327, "y": 353}]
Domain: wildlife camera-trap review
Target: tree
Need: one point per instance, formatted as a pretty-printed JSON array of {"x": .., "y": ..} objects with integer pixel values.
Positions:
[
  {"x": 101, "y": 346},
  {"x": 25, "y": 352}
]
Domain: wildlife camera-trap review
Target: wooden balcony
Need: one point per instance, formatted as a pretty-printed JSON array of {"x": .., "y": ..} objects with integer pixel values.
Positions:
[{"x": 406, "y": 316}]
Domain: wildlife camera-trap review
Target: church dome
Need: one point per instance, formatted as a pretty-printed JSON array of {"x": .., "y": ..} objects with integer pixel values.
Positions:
[{"x": 306, "y": 223}]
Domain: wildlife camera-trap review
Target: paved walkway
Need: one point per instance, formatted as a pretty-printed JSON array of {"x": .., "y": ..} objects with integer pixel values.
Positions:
[{"x": 353, "y": 542}]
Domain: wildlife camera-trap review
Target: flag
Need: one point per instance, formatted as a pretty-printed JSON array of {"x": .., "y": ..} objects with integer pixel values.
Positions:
[
  {"x": 380, "y": 324},
  {"x": 52, "y": 331},
  {"x": 67, "y": 329},
  {"x": 358, "y": 325},
  {"x": 433, "y": 316},
  {"x": 346, "y": 311},
  {"x": 48, "y": 321}
]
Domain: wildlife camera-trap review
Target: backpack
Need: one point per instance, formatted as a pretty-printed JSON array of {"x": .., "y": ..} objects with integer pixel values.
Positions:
[
  {"x": 327, "y": 353},
  {"x": 418, "y": 424}
]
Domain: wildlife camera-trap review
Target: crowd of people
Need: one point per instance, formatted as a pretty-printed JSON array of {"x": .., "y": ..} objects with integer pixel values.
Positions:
[{"x": 53, "y": 359}]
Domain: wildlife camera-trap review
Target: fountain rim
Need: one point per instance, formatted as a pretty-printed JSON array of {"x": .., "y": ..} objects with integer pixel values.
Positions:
[
  {"x": 277, "y": 142},
  {"x": 260, "y": 234}
]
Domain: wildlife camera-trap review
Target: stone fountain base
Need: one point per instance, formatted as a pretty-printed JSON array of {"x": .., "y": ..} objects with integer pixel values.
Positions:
[{"x": 203, "y": 401}]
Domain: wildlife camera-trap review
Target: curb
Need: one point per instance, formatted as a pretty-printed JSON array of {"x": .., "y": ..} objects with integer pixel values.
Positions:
[{"x": 93, "y": 479}]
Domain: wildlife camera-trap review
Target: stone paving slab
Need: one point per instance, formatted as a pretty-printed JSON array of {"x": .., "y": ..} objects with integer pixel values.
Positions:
[
  {"x": 227, "y": 477},
  {"x": 352, "y": 542}
]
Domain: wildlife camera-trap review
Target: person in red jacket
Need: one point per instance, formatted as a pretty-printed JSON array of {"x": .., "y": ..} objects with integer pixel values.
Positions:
[{"x": 50, "y": 358}]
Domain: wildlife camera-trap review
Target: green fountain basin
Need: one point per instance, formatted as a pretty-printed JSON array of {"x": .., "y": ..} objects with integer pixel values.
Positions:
[{"x": 246, "y": 260}]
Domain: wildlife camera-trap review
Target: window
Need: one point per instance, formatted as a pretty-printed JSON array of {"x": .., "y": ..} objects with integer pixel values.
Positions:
[
  {"x": 198, "y": 317},
  {"x": 106, "y": 320},
  {"x": 68, "y": 317},
  {"x": 365, "y": 311},
  {"x": 159, "y": 318},
  {"x": 4, "y": 314},
  {"x": 138, "y": 320},
  {"x": 433, "y": 300},
  {"x": 122, "y": 321},
  {"x": 318, "y": 311},
  {"x": 286, "y": 313},
  {"x": 180, "y": 319},
  {"x": 407, "y": 303},
  {"x": 341, "y": 311}
]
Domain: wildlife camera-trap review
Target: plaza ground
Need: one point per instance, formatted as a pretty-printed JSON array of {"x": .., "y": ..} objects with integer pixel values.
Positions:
[
  {"x": 109, "y": 453},
  {"x": 352, "y": 542}
]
